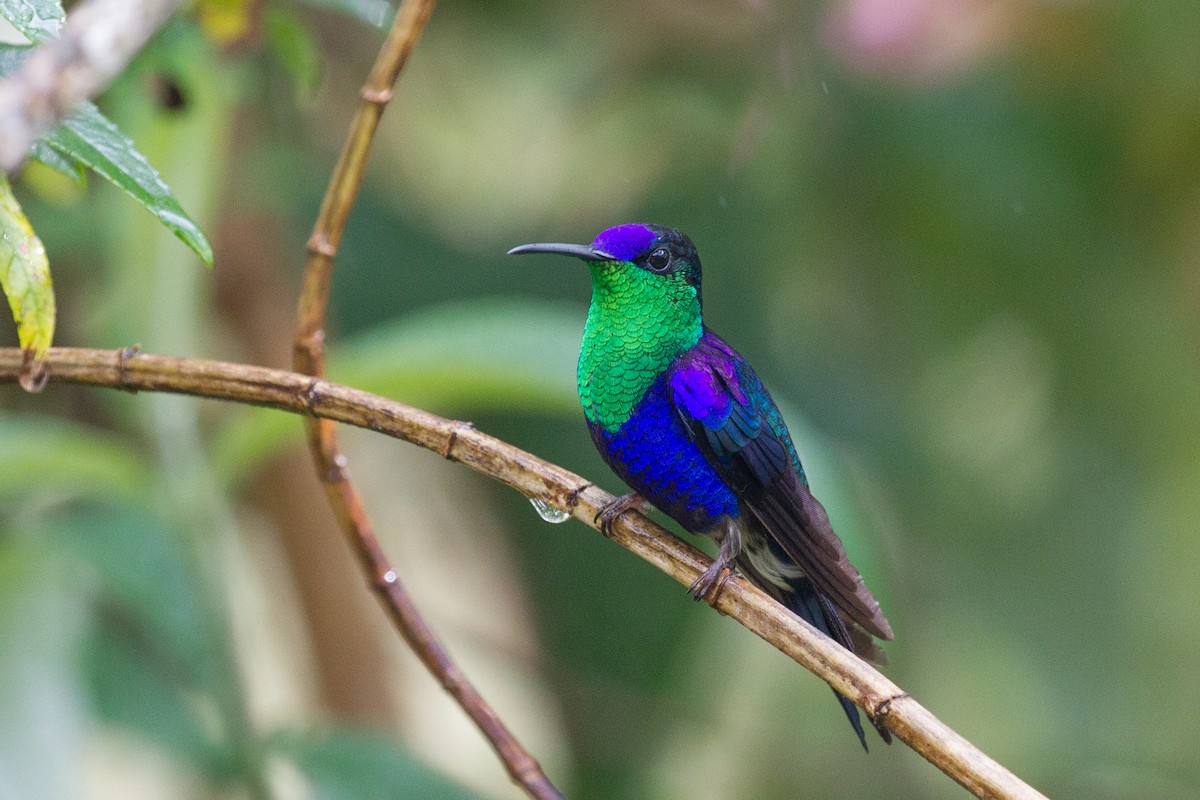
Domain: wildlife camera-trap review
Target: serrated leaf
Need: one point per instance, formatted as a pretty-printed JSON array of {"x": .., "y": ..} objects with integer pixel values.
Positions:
[
  {"x": 25, "y": 277},
  {"x": 90, "y": 137},
  {"x": 39, "y": 20},
  {"x": 373, "y": 12},
  {"x": 59, "y": 162}
]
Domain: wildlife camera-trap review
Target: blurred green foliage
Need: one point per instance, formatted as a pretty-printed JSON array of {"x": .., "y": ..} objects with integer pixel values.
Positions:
[{"x": 966, "y": 255}]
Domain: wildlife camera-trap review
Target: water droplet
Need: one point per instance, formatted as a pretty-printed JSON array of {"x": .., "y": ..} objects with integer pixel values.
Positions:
[
  {"x": 549, "y": 512},
  {"x": 389, "y": 576}
]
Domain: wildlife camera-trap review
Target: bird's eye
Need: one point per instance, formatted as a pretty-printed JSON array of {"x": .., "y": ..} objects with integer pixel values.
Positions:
[{"x": 659, "y": 260}]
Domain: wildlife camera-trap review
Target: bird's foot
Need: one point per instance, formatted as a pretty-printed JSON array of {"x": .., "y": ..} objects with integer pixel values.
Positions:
[
  {"x": 608, "y": 515},
  {"x": 710, "y": 583}
]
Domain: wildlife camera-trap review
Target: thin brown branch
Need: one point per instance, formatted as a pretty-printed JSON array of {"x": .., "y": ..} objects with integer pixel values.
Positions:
[
  {"x": 881, "y": 698},
  {"x": 97, "y": 41},
  {"x": 330, "y": 225},
  {"x": 308, "y": 356}
]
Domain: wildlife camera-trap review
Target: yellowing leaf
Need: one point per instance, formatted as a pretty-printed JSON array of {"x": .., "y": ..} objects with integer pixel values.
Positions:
[
  {"x": 25, "y": 279},
  {"x": 225, "y": 21}
]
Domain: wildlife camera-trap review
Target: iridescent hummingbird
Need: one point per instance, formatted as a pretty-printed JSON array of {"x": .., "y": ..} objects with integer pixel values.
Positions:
[{"x": 683, "y": 419}]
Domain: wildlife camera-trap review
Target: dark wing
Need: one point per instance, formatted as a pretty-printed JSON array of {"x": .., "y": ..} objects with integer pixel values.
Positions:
[{"x": 733, "y": 420}]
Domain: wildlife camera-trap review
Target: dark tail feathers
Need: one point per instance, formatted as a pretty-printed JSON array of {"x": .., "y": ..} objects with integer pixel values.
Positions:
[{"x": 816, "y": 609}]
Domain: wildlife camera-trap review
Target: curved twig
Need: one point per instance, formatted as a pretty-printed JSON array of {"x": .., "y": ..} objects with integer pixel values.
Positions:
[
  {"x": 308, "y": 356},
  {"x": 886, "y": 702}
]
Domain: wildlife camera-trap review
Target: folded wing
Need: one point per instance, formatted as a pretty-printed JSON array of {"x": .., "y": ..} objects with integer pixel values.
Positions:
[{"x": 734, "y": 422}]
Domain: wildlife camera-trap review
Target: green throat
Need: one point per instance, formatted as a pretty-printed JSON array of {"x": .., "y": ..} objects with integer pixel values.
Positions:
[{"x": 637, "y": 325}]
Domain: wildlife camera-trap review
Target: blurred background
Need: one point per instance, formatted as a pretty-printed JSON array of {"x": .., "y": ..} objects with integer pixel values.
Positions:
[{"x": 959, "y": 239}]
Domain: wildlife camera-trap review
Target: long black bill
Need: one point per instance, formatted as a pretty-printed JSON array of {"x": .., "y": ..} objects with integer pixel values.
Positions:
[{"x": 584, "y": 251}]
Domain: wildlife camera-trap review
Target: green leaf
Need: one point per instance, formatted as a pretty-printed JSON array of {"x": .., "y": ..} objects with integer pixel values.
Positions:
[
  {"x": 152, "y": 662},
  {"x": 498, "y": 353},
  {"x": 49, "y": 454},
  {"x": 59, "y": 162},
  {"x": 90, "y": 137},
  {"x": 377, "y": 13},
  {"x": 38, "y": 20},
  {"x": 25, "y": 277},
  {"x": 357, "y": 765},
  {"x": 143, "y": 571},
  {"x": 489, "y": 355},
  {"x": 289, "y": 40},
  {"x": 131, "y": 687}
]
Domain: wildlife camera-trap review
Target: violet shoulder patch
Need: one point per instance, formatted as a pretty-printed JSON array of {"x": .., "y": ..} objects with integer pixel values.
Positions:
[
  {"x": 706, "y": 386},
  {"x": 625, "y": 242}
]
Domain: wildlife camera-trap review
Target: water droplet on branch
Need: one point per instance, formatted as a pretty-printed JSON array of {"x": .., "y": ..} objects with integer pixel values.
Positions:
[{"x": 549, "y": 512}]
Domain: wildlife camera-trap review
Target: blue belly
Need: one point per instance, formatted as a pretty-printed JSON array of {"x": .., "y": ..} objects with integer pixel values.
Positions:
[{"x": 652, "y": 453}]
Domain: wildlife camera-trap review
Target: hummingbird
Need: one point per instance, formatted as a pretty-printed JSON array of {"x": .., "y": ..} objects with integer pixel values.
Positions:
[{"x": 681, "y": 417}]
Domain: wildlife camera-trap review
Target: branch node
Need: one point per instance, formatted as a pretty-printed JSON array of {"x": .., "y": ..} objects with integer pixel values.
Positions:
[
  {"x": 572, "y": 498},
  {"x": 459, "y": 425},
  {"x": 124, "y": 356},
  {"x": 384, "y": 581},
  {"x": 335, "y": 470},
  {"x": 308, "y": 352},
  {"x": 309, "y": 395},
  {"x": 319, "y": 245},
  {"x": 883, "y": 708},
  {"x": 378, "y": 96}
]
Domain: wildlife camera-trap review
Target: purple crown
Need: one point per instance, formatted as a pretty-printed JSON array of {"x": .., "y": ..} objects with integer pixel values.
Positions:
[{"x": 625, "y": 242}]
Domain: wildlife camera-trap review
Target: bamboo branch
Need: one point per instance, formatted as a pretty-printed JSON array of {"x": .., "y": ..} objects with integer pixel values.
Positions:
[
  {"x": 882, "y": 699},
  {"x": 308, "y": 356},
  {"x": 97, "y": 41}
]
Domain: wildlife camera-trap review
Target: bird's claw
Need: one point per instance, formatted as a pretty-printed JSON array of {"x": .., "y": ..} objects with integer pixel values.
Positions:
[
  {"x": 710, "y": 583},
  {"x": 607, "y": 515}
]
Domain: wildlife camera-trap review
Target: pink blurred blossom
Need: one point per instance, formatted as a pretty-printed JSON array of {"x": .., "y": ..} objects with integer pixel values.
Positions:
[{"x": 923, "y": 40}]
